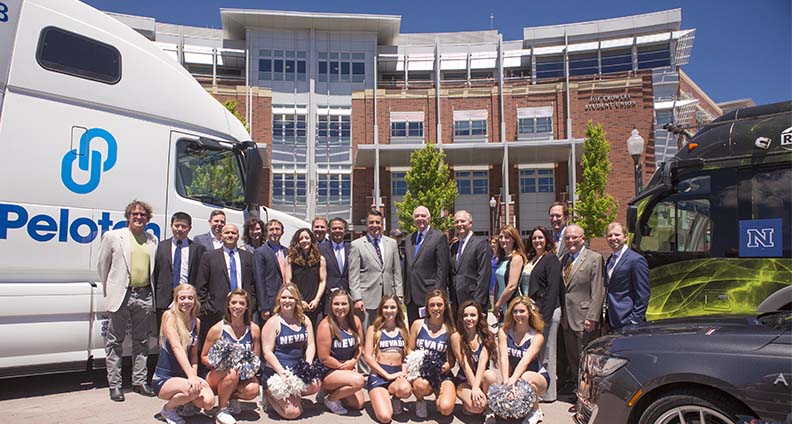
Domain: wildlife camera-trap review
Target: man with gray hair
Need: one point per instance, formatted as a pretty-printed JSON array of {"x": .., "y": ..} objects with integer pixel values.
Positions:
[
  {"x": 425, "y": 263},
  {"x": 471, "y": 265}
]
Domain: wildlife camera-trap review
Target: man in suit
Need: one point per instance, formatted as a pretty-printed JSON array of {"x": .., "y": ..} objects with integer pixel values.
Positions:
[
  {"x": 214, "y": 238},
  {"x": 581, "y": 297},
  {"x": 319, "y": 225},
  {"x": 559, "y": 214},
  {"x": 426, "y": 263},
  {"x": 177, "y": 253},
  {"x": 222, "y": 271},
  {"x": 373, "y": 268},
  {"x": 336, "y": 254},
  {"x": 471, "y": 264},
  {"x": 626, "y": 280},
  {"x": 270, "y": 260},
  {"x": 126, "y": 264}
]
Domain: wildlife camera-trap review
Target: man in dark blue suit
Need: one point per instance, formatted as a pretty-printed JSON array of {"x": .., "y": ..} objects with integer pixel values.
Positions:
[
  {"x": 336, "y": 254},
  {"x": 626, "y": 281},
  {"x": 269, "y": 258}
]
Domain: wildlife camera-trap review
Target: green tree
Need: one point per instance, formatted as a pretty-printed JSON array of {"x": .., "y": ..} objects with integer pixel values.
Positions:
[
  {"x": 429, "y": 184},
  {"x": 595, "y": 209},
  {"x": 232, "y": 105}
]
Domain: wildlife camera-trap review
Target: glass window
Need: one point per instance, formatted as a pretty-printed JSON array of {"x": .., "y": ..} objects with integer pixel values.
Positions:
[
  {"x": 288, "y": 189},
  {"x": 358, "y": 71},
  {"x": 415, "y": 129},
  {"x": 475, "y": 182},
  {"x": 655, "y": 56},
  {"x": 333, "y": 129},
  {"x": 583, "y": 64},
  {"x": 288, "y": 129},
  {"x": 550, "y": 67},
  {"x": 470, "y": 128},
  {"x": 398, "y": 184},
  {"x": 398, "y": 129},
  {"x": 209, "y": 176},
  {"x": 323, "y": 71},
  {"x": 616, "y": 60},
  {"x": 535, "y": 126},
  {"x": 72, "y": 54},
  {"x": 334, "y": 189},
  {"x": 537, "y": 181},
  {"x": 461, "y": 128}
]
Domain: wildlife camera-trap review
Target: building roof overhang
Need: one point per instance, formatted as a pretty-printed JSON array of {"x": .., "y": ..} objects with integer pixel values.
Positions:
[{"x": 466, "y": 154}]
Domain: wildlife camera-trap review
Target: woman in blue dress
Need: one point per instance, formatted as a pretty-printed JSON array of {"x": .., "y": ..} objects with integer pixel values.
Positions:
[
  {"x": 236, "y": 327},
  {"x": 511, "y": 253},
  {"x": 286, "y": 338},
  {"x": 433, "y": 333},
  {"x": 339, "y": 340},
  {"x": 520, "y": 342},
  {"x": 176, "y": 376}
]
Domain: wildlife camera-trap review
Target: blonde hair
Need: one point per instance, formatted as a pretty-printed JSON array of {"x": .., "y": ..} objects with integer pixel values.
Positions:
[
  {"x": 534, "y": 318},
  {"x": 379, "y": 321},
  {"x": 298, "y": 308},
  {"x": 181, "y": 328}
]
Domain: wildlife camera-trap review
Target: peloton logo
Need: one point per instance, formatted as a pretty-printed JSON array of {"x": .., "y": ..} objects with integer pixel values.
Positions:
[{"x": 89, "y": 161}]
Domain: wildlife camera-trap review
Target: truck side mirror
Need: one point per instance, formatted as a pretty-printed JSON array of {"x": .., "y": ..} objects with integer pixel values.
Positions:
[
  {"x": 632, "y": 218},
  {"x": 253, "y": 178}
]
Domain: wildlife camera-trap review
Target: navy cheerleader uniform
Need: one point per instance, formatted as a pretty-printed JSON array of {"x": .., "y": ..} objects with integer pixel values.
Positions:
[{"x": 386, "y": 344}]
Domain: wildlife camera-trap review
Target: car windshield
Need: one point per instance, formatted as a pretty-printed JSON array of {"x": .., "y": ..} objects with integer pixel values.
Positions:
[{"x": 781, "y": 320}]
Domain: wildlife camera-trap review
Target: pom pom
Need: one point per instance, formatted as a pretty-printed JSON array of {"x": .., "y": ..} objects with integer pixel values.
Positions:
[
  {"x": 320, "y": 371},
  {"x": 431, "y": 367},
  {"x": 511, "y": 401},
  {"x": 305, "y": 371},
  {"x": 286, "y": 386},
  {"x": 221, "y": 355},
  {"x": 246, "y": 363},
  {"x": 414, "y": 361}
]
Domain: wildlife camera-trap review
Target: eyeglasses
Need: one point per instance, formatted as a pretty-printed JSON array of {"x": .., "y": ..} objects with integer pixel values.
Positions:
[
  {"x": 138, "y": 214},
  {"x": 571, "y": 238}
]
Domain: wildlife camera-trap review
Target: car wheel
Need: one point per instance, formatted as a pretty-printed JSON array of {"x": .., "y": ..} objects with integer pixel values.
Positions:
[{"x": 689, "y": 408}]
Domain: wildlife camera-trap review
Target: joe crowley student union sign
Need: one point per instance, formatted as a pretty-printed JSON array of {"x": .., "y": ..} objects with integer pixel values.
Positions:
[{"x": 617, "y": 101}]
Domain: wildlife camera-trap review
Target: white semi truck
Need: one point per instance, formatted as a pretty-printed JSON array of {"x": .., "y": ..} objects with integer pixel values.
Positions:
[{"x": 93, "y": 115}]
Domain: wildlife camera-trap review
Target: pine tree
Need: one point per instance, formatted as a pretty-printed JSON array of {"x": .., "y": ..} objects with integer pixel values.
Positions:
[
  {"x": 429, "y": 184},
  {"x": 595, "y": 209}
]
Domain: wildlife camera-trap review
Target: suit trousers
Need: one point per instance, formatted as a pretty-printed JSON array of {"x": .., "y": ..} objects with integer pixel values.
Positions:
[
  {"x": 412, "y": 313},
  {"x": 574, "y": 342},
  {"x": 550, "y": 355},
  {"x": 137, "y": 313}
]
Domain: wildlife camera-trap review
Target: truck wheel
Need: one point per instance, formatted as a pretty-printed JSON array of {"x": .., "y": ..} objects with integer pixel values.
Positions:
[{"x": 690, "y": 408}]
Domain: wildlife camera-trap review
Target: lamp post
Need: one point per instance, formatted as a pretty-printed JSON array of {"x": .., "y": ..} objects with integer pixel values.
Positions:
[
  {"x": 492, "y": 204},
  {"x": 635, "y": 145}
]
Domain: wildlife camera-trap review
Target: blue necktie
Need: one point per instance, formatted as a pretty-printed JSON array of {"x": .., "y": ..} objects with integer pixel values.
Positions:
[
  {"x": 339, "y": 254},
  {"x": 377, "y": 248},
  {"x": 233, "y": 272},
  {"x": 177, "y": 263},
  {"x": 459, "y": 251},
  {"x": 418, "y": 241}
]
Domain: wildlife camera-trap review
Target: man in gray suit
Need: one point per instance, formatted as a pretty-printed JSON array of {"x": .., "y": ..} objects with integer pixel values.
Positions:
[
  {"x": 559, "y": 214},
  {"x": 582, "y": 294},
  {"x": 373, "y": 269},
  {"x": 471, "y": 264},
  {"x": 426, "y": 263}
]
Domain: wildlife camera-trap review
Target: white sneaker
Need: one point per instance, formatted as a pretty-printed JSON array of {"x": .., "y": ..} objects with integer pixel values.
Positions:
[
  {"x": 171, "y": 416},
  {"x": 335, "y": 406},
  {"x": 224, "y": 417},
  {"x": 188, "y": 410},
  {"x": 420, "y": 409},
  {"x": 234, "y": 407},
  {"x": 490, "y": 418},
  {"x": 533, "y": 417},
  {"x": 397, "y": 406}
]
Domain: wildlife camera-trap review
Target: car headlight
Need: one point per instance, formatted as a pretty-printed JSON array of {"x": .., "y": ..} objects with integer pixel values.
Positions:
[{"x": 602, "y": 365}]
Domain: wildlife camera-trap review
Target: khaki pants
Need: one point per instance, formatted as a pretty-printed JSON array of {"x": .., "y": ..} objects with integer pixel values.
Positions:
[{"x": 136, "y": 314}]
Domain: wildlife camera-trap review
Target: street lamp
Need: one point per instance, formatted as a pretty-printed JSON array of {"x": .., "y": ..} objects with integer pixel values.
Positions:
[
  {"x": 635, "y": 145},
  {"x": 492, "y": 203}
]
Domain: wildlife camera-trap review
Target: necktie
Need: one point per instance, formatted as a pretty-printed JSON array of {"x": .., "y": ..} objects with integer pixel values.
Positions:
[
  {"x": 418, "y": 241},
  {"x": 568, "y": 268},
  {"x": 177, "y": 263},
  {"x": 459, "y": 251},
  {"x": 377, "y": 248},
  {"x": 232, "y": 270},
  {"x": 612, "y": 263},
  {"x": 339, "y": 254}
]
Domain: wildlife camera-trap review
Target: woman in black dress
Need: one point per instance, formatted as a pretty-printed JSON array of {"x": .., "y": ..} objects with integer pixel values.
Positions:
[{"x": 305, "y": 268}]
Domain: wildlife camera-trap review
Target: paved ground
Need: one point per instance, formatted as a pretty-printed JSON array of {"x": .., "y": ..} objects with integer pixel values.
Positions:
[{"x": 83, "y": 398}]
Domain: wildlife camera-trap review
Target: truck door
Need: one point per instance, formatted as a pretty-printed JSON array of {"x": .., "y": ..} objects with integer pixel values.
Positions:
[{"x": 9, "y": 17}]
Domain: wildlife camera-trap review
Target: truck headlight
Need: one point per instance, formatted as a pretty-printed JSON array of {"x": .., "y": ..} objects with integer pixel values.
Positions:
[{"x": 602, "y": 365}]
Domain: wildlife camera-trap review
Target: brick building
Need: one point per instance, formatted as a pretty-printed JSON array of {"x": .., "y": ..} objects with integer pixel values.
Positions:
[{"x": 341, "y": 100}]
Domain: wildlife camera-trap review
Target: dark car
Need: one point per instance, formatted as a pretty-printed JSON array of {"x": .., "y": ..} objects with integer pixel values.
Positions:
[{"x": 712, "y": 370}]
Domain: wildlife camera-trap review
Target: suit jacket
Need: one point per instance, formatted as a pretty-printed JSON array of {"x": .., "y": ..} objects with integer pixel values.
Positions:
[
  {"x": 544, "y": 285},
  {"x": 163, "y": 269},
  {"x": 628, "y": 290},
  {"x": 205, "y": 240},
  {"x": 470, "y": 277},
  {"x": 368, "y": 278},
  {"x": 560, "y": 246},
  {"x": 428, "y": 270},
  {"x": 583, "y": 293},
  {"x": 336, "y": 278},
  {"x": 214, "y": 285},
  {"x": 114, "y": 261},
  {"x": 269, "y": 277}
]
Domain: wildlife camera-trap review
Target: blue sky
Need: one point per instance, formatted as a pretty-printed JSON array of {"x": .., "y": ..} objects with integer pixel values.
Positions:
[{"x": 742, "y": 48}]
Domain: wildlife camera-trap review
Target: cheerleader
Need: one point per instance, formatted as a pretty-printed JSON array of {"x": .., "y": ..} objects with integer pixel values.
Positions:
[
  {"x": 237, "y": 328},
  {"x": 385, "y": 352},
  {"x": 338, "y": 345},
  {"x": 432, "y": 334},
  {"x": 519, "y": 343},
  {"x": 474, "y": 346},
  {"x": 286, "y": 338},
  {"x": 176, "y": 376}
]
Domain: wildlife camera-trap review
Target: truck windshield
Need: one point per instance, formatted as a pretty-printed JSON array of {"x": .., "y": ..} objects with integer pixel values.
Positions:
[{"x": 209, "y": 176}]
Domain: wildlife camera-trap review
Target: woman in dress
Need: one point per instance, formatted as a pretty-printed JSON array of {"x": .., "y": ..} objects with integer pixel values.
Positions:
[
  {"x": 176, "y": 376},
  {"x": 474, "y": 347},
  {"x": 305, "y": 268},
  {"x": 511, "y": 254},
  {"x": 432, "y": 334},
  {"x": 386, "y": 348},
  {"x": 237, "y": 328},
  {"x": 286, "y": 338},
  {"x": 252, "y": 234},
  {"x": 520, "y": 341},
  {"x": 339, "y": 345}
]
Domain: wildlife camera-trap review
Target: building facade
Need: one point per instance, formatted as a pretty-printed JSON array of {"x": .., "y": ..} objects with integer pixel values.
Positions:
[{"x": 341, "y": 100}]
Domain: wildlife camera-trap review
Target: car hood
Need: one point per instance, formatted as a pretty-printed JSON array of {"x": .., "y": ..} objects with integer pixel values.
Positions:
[{"x": 697, "y": 334}]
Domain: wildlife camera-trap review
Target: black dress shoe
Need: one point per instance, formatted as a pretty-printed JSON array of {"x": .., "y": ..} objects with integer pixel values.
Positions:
[
  {"x": 572, "y": 409},
  {"x": 116, "y": 395},
  {"x": 144, "y": 389}
]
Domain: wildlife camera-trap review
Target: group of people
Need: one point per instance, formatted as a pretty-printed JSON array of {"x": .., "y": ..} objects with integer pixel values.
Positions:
[{"x": 327, "y": 300}]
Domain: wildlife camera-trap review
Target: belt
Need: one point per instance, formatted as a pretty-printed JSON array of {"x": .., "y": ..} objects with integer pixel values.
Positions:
[{"x": 138, "y": 289}]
